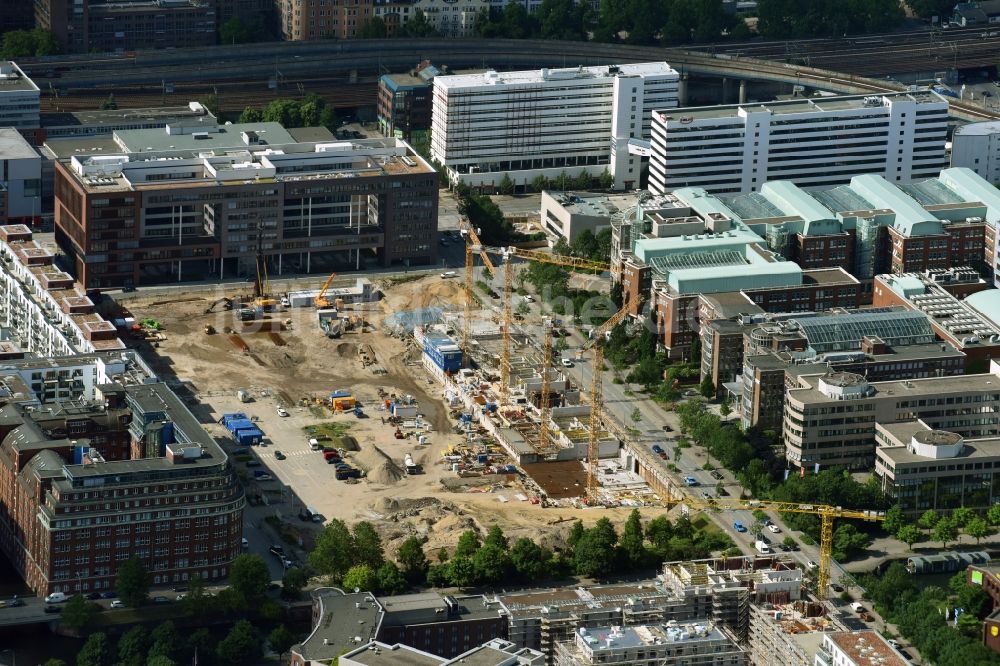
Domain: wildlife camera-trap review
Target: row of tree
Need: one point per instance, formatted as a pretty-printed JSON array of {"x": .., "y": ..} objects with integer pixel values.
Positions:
[
  {"x": 561, "y": 183},
  {"x": 311, "y": 111},
  {"x": 166, "y": 646},
  {"x": 921, "y": 617},
  {"x": 355, "y": 558},
  {"x": 938, "y": 527},
  {"x": 587, "y": 245},
  {"x": 789, "y": 19},
  {"x": 418, "y": 26},
  {"x": 27, "y": 43}
]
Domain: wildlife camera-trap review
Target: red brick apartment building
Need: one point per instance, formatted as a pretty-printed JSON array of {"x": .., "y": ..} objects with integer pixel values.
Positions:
[{"x": 86, "y": 485}]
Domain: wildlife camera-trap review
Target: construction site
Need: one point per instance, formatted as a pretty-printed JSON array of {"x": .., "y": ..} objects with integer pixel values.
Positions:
[{"x": 448, "y": 406}]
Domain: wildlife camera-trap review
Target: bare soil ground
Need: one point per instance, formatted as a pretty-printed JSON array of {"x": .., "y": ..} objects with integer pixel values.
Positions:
[{"x": 309, "y": 365}]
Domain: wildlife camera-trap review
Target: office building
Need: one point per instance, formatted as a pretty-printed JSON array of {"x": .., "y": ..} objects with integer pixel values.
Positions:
[
  {"x": 16, "y": 15},
  {"x": 830, "y": 419},
  {"x": 318, "y": 19},
  {"x": 858, "y": 648},
  {"x": 751, "y": 358},
  {"x": 20, "y": 179},
  {"x": 195, "y": 202},
  {"x": 568, "y": 214},
  {"x": 987, "y": 575},
  {"x": 924, "y": 468},
  {"x": 105, "y": 122},
  {"x": 19, "y": 100},
  {"x": 697, "y": 644},
  {"x": 83, "y": 26},
  {"x": 976, "y": 146},
  {"x": 816, "y": 142},
  {"x": 578, "y": 120},
  {"x": 445, "y": 626},
  {"x": 789, "y": 634},
  {"x": 67, "y": 464},
  {"x": 970, "y": 14},
  {"x": 969, "y": 324},
  {"x": 404, "y": 103}
]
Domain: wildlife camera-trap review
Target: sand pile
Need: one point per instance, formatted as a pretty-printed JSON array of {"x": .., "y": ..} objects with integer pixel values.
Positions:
[
  {"x": 426, "y": 292},
  {"x": 380, "y": 468},
  {"x": 345, "y": 443},
  {"x": 386, "y": 505}
]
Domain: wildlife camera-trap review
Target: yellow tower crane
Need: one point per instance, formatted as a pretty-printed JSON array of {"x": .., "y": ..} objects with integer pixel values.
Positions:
[
  {"x": 473, "y": 246},
  {"x": 507, "y": 318},
  {"x": 544, "y": 406},
  {"x": 825, "y": 512}
]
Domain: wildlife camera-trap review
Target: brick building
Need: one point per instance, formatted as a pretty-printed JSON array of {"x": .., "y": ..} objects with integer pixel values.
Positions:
[
  {"x": 404, "y": 103},
  {"x": 195, "y": 202},
  {"x": 322, "y": 19},
  {"x": 121, "y": 470}
]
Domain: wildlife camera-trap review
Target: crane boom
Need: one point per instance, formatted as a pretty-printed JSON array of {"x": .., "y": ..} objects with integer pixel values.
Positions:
[
  {"x": 473, "y": 246},
  {"x": 825, "y": 512},
  {"x": 544, "y": 407},
  {"x": 321, "y": 301},
  {"x": 596, "y": 407}
]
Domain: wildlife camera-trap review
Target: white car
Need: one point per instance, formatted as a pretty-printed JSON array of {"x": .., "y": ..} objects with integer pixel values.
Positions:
[
  {"x": 282, "y": 411},
  {"x": 773, "y": 528},
  {"x": 118, "y": 603},
  {"x": 566, "y": 363},
  {"x": 812, "y": 565}
]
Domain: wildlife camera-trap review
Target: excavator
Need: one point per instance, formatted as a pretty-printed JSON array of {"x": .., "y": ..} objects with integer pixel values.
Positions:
[
  {"x": 321, "y": 301},
  {"x": 262, "y": 285}
]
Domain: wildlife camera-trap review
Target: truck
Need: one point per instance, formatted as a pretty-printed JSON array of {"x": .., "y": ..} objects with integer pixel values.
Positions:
[
  {"x": 244, "y": 395},
  {"x": 762, "y": 547},
  {"x": 411, "y": 467}
]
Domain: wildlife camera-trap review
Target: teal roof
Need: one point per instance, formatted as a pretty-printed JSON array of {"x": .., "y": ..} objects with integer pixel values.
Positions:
[
  {"x": 716, "y": 279},
  {"x": 790, "y": 199},
  {"x": 987, "y": 302},
  {"x": 905, "y": 285},
  {"x": 911, "y": 218},
  {"x": 970, "y": 185},
  {"x": 648, "y": 248},
  {"x": 704, "y": 203}
]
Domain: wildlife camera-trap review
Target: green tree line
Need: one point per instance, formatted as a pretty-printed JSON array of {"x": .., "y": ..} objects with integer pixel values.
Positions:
[{"x": 312, "y": 111}]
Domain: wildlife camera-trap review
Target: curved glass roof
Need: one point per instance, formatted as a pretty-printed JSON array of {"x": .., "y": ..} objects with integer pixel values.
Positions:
[{"x": 844, "y": 332}]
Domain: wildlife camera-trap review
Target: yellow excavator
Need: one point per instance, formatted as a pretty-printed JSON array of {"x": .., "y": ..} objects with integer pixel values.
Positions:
[{"x": 321, "y": 301}]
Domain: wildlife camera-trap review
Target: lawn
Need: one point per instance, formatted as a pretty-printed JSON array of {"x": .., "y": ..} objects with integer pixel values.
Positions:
[{"x": 328, "y": 429}]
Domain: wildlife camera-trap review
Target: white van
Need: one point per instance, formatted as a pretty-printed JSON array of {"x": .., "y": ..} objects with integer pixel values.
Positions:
[
  {"x": 55, "y": 598},
  {"x": 314, "y": 444},
  {"x": 314, "y": 515},
  {"x": 762, "y": 547},
  {"x": 857, "y": 607},
  {"x": 448, "y": 274}
]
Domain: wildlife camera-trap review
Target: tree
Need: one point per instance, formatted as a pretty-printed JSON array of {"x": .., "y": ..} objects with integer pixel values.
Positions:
[
  {"x": 77, "y": 613},
  {"x": 707, "y": 387},
  {"x": 492, "y": 563},
  {"x": 929, "y": 8},
  {"x": 539, "y": 183},
  {"x": 166, "y": 640},
  {"x": 631, "y": 542},
  {"x": 945, "y": 530},
  {"x": 442, "y": 555},
  {"x": 468, "y": 544},
  {"x": 909, "y": 534},
  {"x": 281, "y": 639},
  {"x": 606, "y": 181},
  {"x": 647, "y": 373},
  {"x": 993, "y": 515},
  {"x": 659, "y": 532},
  {"x": 24, "y": 43},
  {"x": 411, "y": 557},
  {"x": 237, "y": 31},
  {"x": 251, "y": 115},
  {"x": 242, "y": 645},
  {"x": 594, "y": 555},
  {"x": 373, "y": 28},
  {"x": 293, "y": 582},
  {"x": 575, "y": 534},
  {"x": 96, "y": 651},
  {"x": 928, "y": 519},
  {"x": 418, "y": 26},
  {"x": 55, "y": 662},
  {"x": 529, "y": 560},
  {"x": 390, "y": 580},
  {"x": 962, "y": 515},
  {"x": 133, "y": 582},
  {"x": 461, "y": 571},
  {"x": 848, "y": 542},
  {"x": 495, "y": 537},
  {"x": 506, "y": 185},
  {"x": 249, "y": 577},
  {"x": 636, "y": 415},
  {"x": 286, "y": 112},
  {"x": 974, "y": 601},
  {"x": 160, "y": 660},
  {"x": 360, "y": 577},
  {"x": 978, "y": 529},
  {"x": 367, "y": 545},
  {"x": 133, "y": 646},
  {"x": 894, "y": 519},
  {"x": 333, "y": 553},
  {"x": 110, "y": 104},
  {"x": 438, "y": 575}
]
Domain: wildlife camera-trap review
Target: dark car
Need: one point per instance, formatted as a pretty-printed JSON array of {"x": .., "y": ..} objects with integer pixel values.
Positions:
[
  {"x": 161, "y": 600},
  {"x": 15, "y": 602},
  {"x": 180, "y": 589},
  {"x": 110, "y": 594},
  {"x": 277, "y": 551},
  {"x": 279, "y": 455},
  {"x": 53, "y": 609},
  {"x": 668, "y": 428},
  {"x": 92, "y": 595},
  {"x": 253, "y": 463},
  {"x": 128, "y": 289},
  {"x": 716, "y": 475},
  {"x": 657, "y": 448},
  {"x": 334, "y": 460},
  {"x": 836, "y": 588}
]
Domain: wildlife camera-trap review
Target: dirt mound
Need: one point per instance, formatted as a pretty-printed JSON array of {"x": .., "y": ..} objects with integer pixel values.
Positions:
[
  {"x": 426, "y": 292},
  {"x": 386, "y": 505},
  {"x": 379, "y": 466},
  {"x": 347, "y": 349},
  {"x": 345, "y": 442}
]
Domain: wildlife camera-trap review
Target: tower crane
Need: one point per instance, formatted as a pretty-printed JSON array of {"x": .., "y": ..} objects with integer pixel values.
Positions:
[
  {"x": 507, "y": 318},
  {"x": 825, "y": 512},
  {"x": 544, "y": 405},
  {"x": 473, "y": 246}
]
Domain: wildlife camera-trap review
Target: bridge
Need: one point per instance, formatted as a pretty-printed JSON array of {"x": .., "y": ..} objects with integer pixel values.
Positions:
[{"x": 325, "y": 64}]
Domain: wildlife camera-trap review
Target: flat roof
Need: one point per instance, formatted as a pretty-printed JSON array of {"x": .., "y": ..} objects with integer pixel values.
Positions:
[
  {"x": 212, "y": 137},
  {"x": 552, "y": 75},
  {"x": 405, "y": 80},
  {"x": 867, "y": 648},
  {"x": 484, "y": 655},
  {"x": 98, "y": 118},
  {"x": 968, "y": 184},
  {"x": 797, "y": 106},
  {"x": 978, "y": 129},
  {"x": 379, "y": 654},
  {"x": 13, "y": 146},
  {"x": 13, "y": 79},
  {"x": 423, "y": 607},
  {"x": 311, "y": 134},
  {"x": 906, "y": 389},
  {"x": 343, "y": 618}
]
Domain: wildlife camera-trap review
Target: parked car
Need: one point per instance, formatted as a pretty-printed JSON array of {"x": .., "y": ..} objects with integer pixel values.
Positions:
[
  {"x": 245, "y": 543},
  {"x": 657, "y": 448},
  {"x": 276, "y": 550},
  {"x": 91, "y": 596},
  {"x": 566, "y": 363},
  {"x": 833, "y": 586},
  {"x": 15, "y": 602},
  {"x": 279, "y": 455},
  {"x": 774, "y": 529},
  {"x": 706, "y": 495},
  {"x": 53, "y": 609},
  {"x": 117, "y": 603},
  {"x": 253, "y": 463},
  {"x": 282, "y": 411},
  {"x": 109, "y": 594},
  {"x": 738, "y": 526},
  {"x": 56, "y": 598},
  {"x": 811, "y": 564},
  {"x": 161, "y": 600},
  {"x": 690, "y": 481},
  {"x": 715, "y": 474}
]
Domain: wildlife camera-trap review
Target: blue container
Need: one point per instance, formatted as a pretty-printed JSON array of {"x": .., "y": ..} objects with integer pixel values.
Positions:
[
  {"x": 233, "y": 416},
  {"x": 238, "y": 424},
  {"x": 340, "y": 394},
  {"x": 249, "y": 437},
  {"x": 482, "y": 458}
]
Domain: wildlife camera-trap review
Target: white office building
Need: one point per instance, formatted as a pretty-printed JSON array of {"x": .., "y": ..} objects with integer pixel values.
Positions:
[
  {"x": 19, "y": 98},
  {"x": 976, "y": 146},
  {"x": 817, "y": 142},
  {"x": 545, "y": 122},
  {"x": 20, "y": 178}
]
